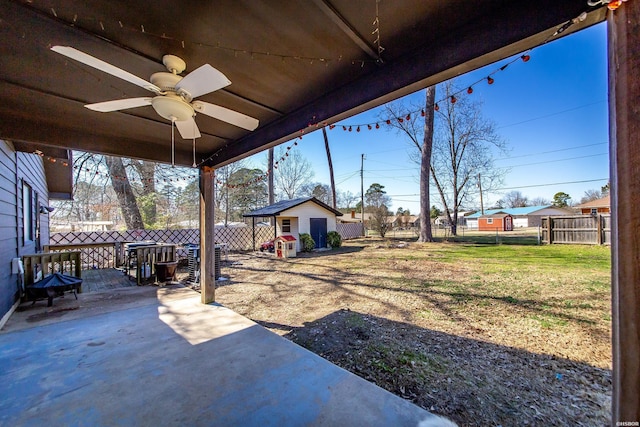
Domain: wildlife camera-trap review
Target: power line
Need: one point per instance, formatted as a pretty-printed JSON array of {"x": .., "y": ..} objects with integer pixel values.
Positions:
[
  {"x": 550, "y": 114},
  {"x": 553, "y": 183},
  {"x": 554, "y": 161},
  {"x": 552, "y": 151}
]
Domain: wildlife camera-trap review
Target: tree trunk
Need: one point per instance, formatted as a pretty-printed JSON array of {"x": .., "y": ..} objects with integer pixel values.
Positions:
[
  {"x": 272, "y": 198},
  {"x": 426, "y": 234},
  {"x": 147, "y": 172},
  {"x": 126, "y": 198},
  {"x": 333, "y": 183}
]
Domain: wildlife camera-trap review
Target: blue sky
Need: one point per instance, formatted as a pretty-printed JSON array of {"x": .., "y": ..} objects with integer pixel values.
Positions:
[{"x": 552, "y": 112}]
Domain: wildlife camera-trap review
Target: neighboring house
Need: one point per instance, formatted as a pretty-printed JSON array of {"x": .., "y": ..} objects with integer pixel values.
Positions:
[
  {"x": 28, "y": 181},
  {"x": 354, "y": 217},
  {"x": 530, "y": 216},
  {"x": 495, "y": 222},
  {"x": 405, "y": 221},
  {"x": 594, "y": 207},
  {"x": 442, "y": 221},
  {"x": 303, "y": 215}
]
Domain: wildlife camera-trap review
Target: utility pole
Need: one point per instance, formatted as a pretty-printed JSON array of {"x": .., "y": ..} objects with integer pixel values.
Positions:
[
  {"x": 480, "y": 187},
  {"x": 362, "y": 191},
  {"x": 333, "y": 183}
]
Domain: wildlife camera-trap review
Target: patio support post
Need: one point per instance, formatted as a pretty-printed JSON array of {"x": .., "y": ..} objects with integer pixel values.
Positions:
[
  {"x": 624, "y": 134},
  {"x": 207, "y": 239}
]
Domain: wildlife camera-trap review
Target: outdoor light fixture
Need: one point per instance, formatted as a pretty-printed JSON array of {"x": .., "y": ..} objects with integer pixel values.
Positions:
[{"x": 45, "y": 210}]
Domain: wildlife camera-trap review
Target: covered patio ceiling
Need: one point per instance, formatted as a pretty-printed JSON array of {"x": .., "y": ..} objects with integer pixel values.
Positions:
[{"x": 293, "y": 64}]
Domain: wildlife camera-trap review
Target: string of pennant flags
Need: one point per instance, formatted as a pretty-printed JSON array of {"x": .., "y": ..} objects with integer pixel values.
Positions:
[{"x": 452, "y": 98}]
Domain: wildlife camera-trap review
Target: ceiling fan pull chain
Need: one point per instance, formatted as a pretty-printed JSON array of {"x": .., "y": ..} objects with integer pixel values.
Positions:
[
  {"x": 194, "y": 144},
  {"x": 173, "y": 142}
]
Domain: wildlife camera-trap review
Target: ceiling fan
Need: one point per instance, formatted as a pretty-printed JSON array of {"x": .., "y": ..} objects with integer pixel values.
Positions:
[{"x": 174, "y": 94}]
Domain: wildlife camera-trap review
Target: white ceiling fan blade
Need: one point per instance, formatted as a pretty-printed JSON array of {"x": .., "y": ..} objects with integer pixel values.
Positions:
[
  {"x": 188, "y": 129},
  {"x": 98, "y": 64},
  {"x": 226, "y": 115},
  {"x": 119, "y": 104},
  {"x": 203, "y": 80}
]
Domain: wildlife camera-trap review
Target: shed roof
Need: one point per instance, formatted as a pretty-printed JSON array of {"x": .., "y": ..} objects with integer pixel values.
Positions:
[
  {"x": 283, "y": 205},
  {"x": 496, "y": 215}
]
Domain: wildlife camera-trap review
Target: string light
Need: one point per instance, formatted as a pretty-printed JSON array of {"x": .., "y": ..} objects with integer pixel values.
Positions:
[
  {"x": 525, "y": 57},
  {"x": 236, "y": 51}
]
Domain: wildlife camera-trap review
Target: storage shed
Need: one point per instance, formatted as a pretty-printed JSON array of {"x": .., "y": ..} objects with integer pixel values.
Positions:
[
  {"x": 496, "y": 222},
  {"x": 303, "y": 215}
]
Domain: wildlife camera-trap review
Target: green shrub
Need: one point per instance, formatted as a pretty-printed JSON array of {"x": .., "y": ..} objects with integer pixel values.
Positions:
[
  {"x": 307, "y": 242},
  {"x": 334, "y": 240}
]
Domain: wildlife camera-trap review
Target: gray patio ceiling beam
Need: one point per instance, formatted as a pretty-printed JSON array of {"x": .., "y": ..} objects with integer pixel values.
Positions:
[
  {"x": 344, "y": 25},
  {"x": 522, "y": 25}
]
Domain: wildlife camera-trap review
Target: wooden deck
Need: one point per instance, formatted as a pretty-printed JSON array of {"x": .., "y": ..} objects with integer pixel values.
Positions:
[{"x": 105, "y": 279}]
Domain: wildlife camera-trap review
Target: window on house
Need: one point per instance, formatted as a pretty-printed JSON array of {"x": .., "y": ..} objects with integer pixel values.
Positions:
[
  {"x": 489, "y": 220},
  {"x": 27, "y": 213},
  {"x": 594, "y": 211},
  {"x": 286, "y": 226}
]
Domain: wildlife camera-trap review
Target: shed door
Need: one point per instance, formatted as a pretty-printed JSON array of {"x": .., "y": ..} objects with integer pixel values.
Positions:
[
  {"x": 318, "y": 231},
  {"x": 508, "y": 224}
]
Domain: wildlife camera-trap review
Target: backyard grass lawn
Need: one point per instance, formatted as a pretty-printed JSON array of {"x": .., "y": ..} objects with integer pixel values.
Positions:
[{"x": 483, "y": 334}]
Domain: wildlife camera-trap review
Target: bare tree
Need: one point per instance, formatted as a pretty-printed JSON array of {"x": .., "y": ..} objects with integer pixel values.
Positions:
[
  {"x": 591, "y": 195},
  {"x": 420, "y": 136},
  {"x": 318, "y": 190},
  {"x": 377, "y": 202},
  {"x": 147, "y": 198},
  {"x": 122, "y": 187},
  {"x": 463, "y": 140},
  {"x": 293, "y": 171},
  {"x": 225, "y": 190},
  {"x": 540, "y": 201},
  {"x": 514, "y": 199},
  {"x": 346, "y": 199}
]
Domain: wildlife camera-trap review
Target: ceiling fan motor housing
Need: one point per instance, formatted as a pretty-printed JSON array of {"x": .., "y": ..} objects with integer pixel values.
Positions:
[{"x": 172, "y": 107}]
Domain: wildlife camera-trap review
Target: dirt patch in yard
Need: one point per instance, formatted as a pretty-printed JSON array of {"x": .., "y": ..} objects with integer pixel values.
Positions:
[{"x": 477, "y": 340}]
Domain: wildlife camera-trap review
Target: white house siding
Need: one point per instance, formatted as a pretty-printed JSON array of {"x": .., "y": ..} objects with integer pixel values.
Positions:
[
  {"x": 294, "y": 227},
  {"x": 17, "y": 168},
  {"x": 304, "y": 213},
  {"x": 520, "y": 221}
]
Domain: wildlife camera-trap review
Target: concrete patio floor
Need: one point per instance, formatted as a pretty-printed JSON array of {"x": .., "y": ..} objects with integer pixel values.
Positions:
[{"x": 157, "y": 356}]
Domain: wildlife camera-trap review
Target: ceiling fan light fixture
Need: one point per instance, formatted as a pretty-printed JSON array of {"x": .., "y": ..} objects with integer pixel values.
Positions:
[{"x": 172, "y": 108}]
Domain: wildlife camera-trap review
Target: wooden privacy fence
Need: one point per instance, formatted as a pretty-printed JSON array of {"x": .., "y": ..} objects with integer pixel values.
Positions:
[{"x": 577, "y": 229}]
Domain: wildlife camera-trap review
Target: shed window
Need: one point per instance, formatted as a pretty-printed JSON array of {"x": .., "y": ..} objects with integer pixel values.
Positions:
[
  {"x": 489, "y": 220},
  {"x": 594, "y": 211},
  {"x": 286, "y": 226}
]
